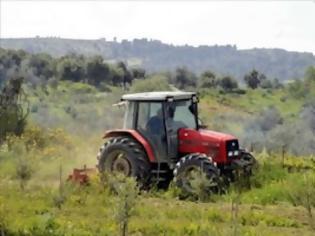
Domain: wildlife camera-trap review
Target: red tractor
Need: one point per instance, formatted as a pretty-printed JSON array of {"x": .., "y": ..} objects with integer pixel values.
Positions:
[{"x": 163, "y": 139}]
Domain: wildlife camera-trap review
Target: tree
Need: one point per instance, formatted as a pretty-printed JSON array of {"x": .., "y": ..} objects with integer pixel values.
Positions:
[
  {"x": 127, "y": 75},
  {"x": 252, "y": 79},
  {"x": 184, "y": 78},
  {"x": 298, "y": 89},
  {"x": 266, "y": 84},
  {"x": 228, "y": 83},
  {"x": 268, "y": 119},
  {"x": 72, "y": 68},
  {"x": 14, "y": 107},
  {"x": 43, "y": 65},
  {"x": 117, "y": 75},
  {"x": 97, "y": 71},
  {"x": 153, "y": 83},
  {"x": 138, "y": 73},
  {"x": 302, "y": 194},
  {"x": 310, "y": 74},
  {"x": 125, "y": 201},
  {"x": 276, "y": 84},
  {"x": 208, "y": 80}
]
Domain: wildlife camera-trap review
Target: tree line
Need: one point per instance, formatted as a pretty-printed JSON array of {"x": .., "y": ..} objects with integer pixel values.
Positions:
[
  {"x": 43, "y": 69},
  {"x": 156, "y": 56}
]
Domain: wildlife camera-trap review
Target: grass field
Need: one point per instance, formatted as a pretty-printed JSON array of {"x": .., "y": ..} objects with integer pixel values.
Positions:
[{"x": 65, "y": 129}]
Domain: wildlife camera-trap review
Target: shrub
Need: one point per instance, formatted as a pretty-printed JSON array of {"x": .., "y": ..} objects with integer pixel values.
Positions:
[
  {"x": 24, "y": 171},
  {"x": 3, "y": 220},
  {"x": 154, "y": 83},
  {"x": 302, "y": 193},
  {"x": 126, "y": 190}
]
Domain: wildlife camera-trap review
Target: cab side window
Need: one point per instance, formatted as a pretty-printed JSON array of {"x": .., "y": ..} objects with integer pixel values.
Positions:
[{"x": 151, "y": 125}]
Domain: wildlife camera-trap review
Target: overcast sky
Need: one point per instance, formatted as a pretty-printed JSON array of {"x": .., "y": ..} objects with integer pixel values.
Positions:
[{"x": 289, "y": 25}]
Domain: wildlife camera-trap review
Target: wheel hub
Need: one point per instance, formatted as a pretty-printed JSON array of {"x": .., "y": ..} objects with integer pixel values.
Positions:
[{"x": 121, "y": 164}]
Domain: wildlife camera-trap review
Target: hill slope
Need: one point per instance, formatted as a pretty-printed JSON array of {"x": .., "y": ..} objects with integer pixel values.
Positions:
[{"x": 154, "y": 55}]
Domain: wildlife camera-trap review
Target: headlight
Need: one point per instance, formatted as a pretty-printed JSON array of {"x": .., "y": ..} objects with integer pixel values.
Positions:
[
  {"x": 230, "y": 153},
  {"x": 236, "y": 153}
]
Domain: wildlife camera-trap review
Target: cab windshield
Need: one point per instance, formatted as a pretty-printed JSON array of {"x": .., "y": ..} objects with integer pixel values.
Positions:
[{"x": 183, "y": 114}]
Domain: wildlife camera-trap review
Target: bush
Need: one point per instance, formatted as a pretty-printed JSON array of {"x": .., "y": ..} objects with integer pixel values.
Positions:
[
  {"x": 3, "y": 220},
  {"x": 154, "y": 83},
  {"x": 302, "y": 194},
  {"x": 126, "y": 190}
]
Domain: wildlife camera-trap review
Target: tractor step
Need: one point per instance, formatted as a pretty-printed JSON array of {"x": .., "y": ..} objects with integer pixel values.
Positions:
[{"x": 159, "y": 171}]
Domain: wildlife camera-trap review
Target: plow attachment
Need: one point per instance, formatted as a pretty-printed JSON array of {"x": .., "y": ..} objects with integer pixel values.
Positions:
[{"x": 82, "y": 176}]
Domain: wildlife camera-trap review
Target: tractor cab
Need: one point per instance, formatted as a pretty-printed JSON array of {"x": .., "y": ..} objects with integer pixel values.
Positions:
[{"x": 158, "y": 116}]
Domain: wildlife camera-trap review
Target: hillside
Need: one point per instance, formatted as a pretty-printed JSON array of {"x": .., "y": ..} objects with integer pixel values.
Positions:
[
  {"x": 68, "y": 115},
  {"x": 64, "y": 131},
  {"x": 154, "y": 55}
]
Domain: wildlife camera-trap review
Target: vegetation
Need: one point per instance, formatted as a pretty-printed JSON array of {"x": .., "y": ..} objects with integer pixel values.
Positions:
[
  {"x": 154, "y": 55},
  {"x": 267, "y": 208},
  {"x": 70, "y": 107}
]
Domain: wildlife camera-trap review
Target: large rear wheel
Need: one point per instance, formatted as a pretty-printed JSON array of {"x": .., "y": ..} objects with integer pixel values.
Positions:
[{"x": 126, "y": 156}]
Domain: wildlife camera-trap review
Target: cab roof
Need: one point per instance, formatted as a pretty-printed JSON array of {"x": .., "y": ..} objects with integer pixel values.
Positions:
[{"x": 158, "y": 96}]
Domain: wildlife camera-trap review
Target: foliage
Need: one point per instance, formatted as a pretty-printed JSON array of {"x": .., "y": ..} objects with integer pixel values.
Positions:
[
  {"x": 201, "y": 187},
  {"x": 13, "y": 107},
  {"x": 184, "y": 78},
  {"x": 303, "y": 195},
  {"x": 254, "y": 79},
  {"x": 93, "y": 210},
  {"x": 125, "y": 200},
  {"x": 40, "y": 70},
  {"x": 298, "y": 89},
  {"x": 310, "y": 74},
  {"x": 3, "y": 219},
  {"x": 97, "y": 71},
  {"x": 228, "y": 83},
  {"x": 155, "y": 55},
  {"x": 208, "y": 80},
  {"x": 23, "y": 171},
  {"x": 154, "y": 83}
]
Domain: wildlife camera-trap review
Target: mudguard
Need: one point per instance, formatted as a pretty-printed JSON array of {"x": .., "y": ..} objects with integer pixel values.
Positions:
[{"x": 137, "y": 136}]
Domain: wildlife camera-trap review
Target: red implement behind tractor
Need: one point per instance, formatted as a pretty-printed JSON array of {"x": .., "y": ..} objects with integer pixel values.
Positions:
[{"x": 163, "y": 138}]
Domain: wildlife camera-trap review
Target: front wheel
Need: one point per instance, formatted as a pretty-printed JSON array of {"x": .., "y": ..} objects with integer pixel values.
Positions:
[
  {"x": 196, "y": 173},
  {"x": 243, "y": 169}
]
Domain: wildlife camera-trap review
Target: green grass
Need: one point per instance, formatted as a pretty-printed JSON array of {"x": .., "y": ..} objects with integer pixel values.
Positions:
[
  {"x": 253, "y": 102},
  {"x": 265, "y": 209},
  {"x": 153, "y": 216}
]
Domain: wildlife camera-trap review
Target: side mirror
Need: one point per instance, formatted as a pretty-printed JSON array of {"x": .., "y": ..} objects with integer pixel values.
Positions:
[{"x": 201, "y": 125}]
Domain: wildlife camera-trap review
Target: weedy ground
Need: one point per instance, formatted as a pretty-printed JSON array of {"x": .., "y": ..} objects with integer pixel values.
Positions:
[
  {"x": 64, "y": 132},
  {"x": 48, "y": 206}
]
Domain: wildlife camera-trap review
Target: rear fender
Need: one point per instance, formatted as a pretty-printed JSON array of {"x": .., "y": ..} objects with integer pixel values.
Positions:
[{"x": 134, "y": 134}]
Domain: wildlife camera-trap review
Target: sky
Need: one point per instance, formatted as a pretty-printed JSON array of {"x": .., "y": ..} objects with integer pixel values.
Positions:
[{"x": 246, "y": 24}]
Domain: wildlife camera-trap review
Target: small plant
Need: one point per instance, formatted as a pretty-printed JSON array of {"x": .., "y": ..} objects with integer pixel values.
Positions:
[
  {"x": 303, "y": 195},
  {"x": 126, "y": 190},
  {"x": 23, "y": 171},
  {"x": 60, "y": 198},
  {"x": 235, "y": 204},
  {"x": 240, "y": 185},
  {"x": 202, "y": 187},
  {"x": 3, "y": 220}
]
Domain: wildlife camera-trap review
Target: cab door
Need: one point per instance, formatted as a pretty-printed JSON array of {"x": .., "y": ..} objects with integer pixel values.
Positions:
[{"x": 150, "y": 123}]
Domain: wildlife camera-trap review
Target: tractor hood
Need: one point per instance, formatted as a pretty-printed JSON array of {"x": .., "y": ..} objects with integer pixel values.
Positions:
[{"x": 215, "y": 136}]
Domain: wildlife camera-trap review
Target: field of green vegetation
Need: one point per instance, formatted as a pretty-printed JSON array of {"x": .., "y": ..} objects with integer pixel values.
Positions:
[{"x": 64, "y": 131}]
